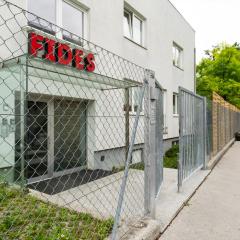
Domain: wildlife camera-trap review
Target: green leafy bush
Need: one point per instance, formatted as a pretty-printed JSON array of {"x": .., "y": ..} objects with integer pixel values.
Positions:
[{"x": 171, "y": 157}]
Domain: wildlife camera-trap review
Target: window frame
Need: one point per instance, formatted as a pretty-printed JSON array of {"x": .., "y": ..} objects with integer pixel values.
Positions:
[
  {"x": 165, "y": 112},
  {"x": 39, "y": 26},
  {"x": 79, "y": 7},
  {"x": 175, "y": 108},
  {"x": 129, "y": 13},
  {"x": 132, "y": 100},
  {"x": 59, "y": 19},
  {"x": 134, "y": 15},
  {"x": 180, "y": 50}
]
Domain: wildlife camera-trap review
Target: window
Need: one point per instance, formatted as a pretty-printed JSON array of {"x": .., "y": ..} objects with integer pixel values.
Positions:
[
  {"x": 177, "y": 56},
  {"x": 133, "y": 27},
  {"x": 45, "y": 9},
  {"x": 71, "y": 17},
  {"x": 174, "y": 143},
  {"x": 175, "y": 104},
  {"x": 73, "y": 24},
  {"x": 127, "y": 24},
  {"x": 135, "y": 98}
]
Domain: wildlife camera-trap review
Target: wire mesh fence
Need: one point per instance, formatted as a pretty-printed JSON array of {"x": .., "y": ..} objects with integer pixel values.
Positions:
[
  {"x": 81, "y": 134},
  {"x": 68, "y": 111}
]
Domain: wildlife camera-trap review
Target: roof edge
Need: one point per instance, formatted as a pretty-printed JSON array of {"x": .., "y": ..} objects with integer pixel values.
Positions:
[{"x": 181, "y": 15}]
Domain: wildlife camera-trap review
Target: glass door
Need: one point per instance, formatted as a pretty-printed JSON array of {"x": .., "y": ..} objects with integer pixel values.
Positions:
[
  {"x": 69, "y": 136},
  {"x": 36, "y": 143}
]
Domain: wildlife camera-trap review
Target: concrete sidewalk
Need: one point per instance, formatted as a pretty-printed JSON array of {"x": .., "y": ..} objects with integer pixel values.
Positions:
[{"x": 214, "y": 211}]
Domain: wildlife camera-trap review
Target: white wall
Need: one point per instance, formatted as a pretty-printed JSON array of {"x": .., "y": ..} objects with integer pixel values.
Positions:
[{"x": 164, "y": 24}]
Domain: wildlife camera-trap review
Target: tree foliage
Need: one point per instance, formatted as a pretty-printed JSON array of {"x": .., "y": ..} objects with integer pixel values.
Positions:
[{"x": 219, "y": 71}]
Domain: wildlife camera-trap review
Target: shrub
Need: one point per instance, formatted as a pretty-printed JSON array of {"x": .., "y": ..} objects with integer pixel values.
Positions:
[{"x": 171, "y": 157}]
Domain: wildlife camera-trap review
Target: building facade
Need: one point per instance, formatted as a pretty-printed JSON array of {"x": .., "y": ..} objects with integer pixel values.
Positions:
[{"x": 152, "y": 34}]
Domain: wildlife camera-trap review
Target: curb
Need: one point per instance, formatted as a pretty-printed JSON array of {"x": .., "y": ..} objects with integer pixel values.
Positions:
[
  {"x": 152, "y": 229},
  {"x": 213, "y": 162}
]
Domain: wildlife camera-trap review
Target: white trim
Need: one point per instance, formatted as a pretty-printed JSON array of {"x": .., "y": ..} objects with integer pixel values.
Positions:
[
  {"x": 51, "y": 173},
  {"x": 84, "y": 9},
  {"x": 180, "y": 50},
  {"x": 175, "y": 113},
  {"x": 59, "y": 17},
  {"x": 135, "y": 14}
]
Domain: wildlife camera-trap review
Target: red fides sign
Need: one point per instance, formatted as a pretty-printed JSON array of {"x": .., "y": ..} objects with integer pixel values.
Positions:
[{"x": 53, "y": 51}]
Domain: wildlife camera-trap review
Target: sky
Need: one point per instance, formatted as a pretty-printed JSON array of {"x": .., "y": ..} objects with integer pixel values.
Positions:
[{"x": 214, "y": 21}]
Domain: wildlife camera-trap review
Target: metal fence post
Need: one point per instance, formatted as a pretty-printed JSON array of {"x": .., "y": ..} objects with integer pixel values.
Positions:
[
  {"x": 127, "y": 165},
  {"x": 23, "y": 90},
  {"x": 180, "y": 155},
  {"x": 159, "y": 138},
  {"x": 205, "y": 133},
  {"x": 150, "y": 146}
]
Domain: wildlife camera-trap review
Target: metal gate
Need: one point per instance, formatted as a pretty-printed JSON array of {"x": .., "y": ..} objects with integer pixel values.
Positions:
[{"x": 192, "y": 118}]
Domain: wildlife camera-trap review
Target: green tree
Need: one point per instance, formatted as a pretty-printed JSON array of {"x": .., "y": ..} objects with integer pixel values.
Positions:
[{"x": 219, "y": 71}]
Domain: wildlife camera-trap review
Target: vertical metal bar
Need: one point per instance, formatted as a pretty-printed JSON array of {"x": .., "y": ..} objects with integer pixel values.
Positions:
[
  {"x": 146, "y": 152},
  {"x": 186, "y": 168},
  {"x": 183, "y": 133},
  {"x": 125, "y": 176},
  {"x": 204, "y": 133},
  {"x": 151, "y": 152},
  {"x": 218, "y": 128},
  {"x": 192, "y": 160},
  {"x": 23, "y": 88},
  {"x": 192, "y": 121},
  {"x": 225, "y": 127},
  {"x": 159, "y": 140},
  {"x": 127, "y": 115},
  {"x": 180, "y": 159}
]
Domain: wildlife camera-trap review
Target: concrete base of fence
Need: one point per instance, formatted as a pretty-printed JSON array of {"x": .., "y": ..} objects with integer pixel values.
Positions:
[
  {"x": 143, "y": 229},
  {"x": 212, "y": 163},
  {"x": 170, "y": 201},
  {"x": 168, "y": 205}
]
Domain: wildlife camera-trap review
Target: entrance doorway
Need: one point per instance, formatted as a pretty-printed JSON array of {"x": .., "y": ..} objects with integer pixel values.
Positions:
[
  {"x": 55, "y": 143},
  {"x": 37, "y": 137}
]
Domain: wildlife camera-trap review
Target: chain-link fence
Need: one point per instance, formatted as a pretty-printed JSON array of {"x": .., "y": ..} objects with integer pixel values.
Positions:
[
  {"x": 81, "y": 134},
  {"x": 71, "y": 120},
  {"x": 223, "y": 123}
]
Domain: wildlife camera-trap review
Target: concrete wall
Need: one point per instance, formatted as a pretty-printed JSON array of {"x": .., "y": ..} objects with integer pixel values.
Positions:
[{"x": 164, "y": 25}]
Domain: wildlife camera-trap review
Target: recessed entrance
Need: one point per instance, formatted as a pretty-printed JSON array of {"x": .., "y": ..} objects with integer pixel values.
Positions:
[
  {"x": 36, "y": 152},
  {"x": 55, "y": 143}
]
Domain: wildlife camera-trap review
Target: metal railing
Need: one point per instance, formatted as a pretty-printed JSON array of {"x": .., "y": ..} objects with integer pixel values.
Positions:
[{"x": 192, "y": 134}]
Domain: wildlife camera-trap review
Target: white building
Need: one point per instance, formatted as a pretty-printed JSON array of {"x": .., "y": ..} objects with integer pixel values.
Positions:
[{"x": 151, "y": 34}]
